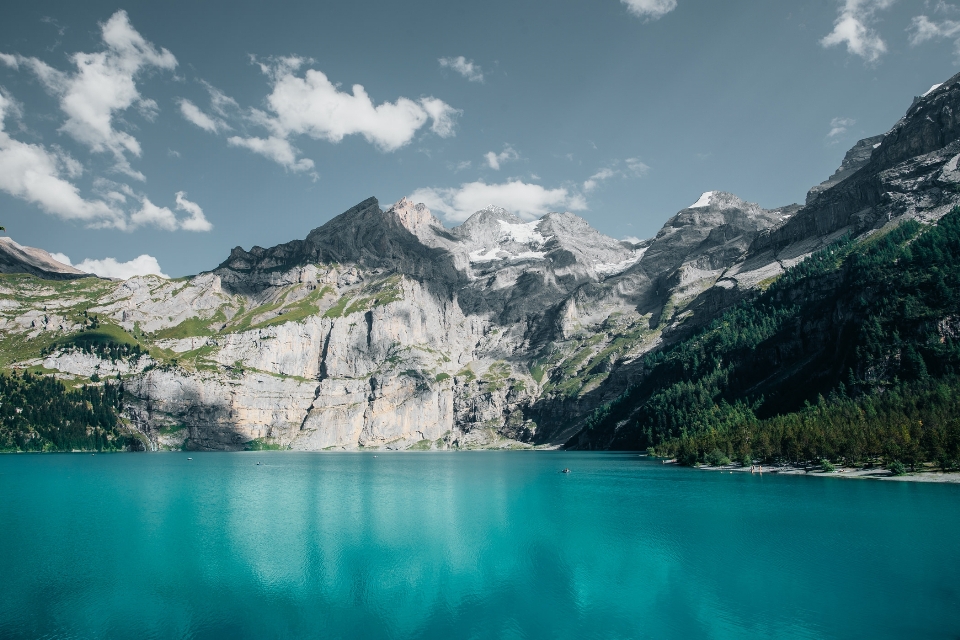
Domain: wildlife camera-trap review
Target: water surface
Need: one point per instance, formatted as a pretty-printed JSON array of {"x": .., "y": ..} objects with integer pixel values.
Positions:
[{"x": 465, "y": 545}]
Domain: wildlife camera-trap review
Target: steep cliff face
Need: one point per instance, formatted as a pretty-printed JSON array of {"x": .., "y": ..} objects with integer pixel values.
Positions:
[{"x": 382, "y": 328}]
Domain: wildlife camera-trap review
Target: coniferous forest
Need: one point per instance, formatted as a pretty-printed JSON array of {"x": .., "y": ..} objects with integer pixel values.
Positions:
[
  {"x": 38, "y": 413},
  {"x": 851, "y": 356}
]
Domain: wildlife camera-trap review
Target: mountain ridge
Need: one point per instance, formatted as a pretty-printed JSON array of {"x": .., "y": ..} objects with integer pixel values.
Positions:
[{"x": 382, "y": 328}]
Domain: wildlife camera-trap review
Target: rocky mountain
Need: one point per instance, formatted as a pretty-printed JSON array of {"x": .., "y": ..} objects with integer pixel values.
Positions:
[
  {"x": 383, "y": 328},
  {"x": 15, "y": 258}
]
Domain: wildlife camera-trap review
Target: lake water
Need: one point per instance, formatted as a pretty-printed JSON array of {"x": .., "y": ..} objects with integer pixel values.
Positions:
[{"x": 465, "y": 545}]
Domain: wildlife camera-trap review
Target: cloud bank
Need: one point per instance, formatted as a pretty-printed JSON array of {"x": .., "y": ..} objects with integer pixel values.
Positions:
[
  {"x": 111, "y": 268},
  {"x": 525, "y": 200}
]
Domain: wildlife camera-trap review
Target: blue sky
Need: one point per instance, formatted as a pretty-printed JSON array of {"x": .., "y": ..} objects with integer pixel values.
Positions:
[{"x": 168, "y": 133}]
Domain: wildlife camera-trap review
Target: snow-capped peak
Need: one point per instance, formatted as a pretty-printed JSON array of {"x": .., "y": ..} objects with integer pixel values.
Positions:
[
  {"x": 932, "y": 89},
  {"x": 704, "y": 200}
]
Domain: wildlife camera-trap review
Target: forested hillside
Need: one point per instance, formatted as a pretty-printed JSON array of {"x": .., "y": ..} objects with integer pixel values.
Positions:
[
  {"x": 851, "y": 355},
  {"x": 38, "y": 413}
]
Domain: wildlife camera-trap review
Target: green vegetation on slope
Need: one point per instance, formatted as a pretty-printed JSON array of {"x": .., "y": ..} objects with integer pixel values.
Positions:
[
  {"x": 852, "y": 354},
  {"x": 38, "y": 413}
]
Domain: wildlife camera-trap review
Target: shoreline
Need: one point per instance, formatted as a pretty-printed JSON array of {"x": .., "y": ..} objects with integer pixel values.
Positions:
[{"x": 855, "y": 473}]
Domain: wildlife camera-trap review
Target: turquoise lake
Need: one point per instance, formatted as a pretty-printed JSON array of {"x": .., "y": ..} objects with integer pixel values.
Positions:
[{"x": 465, "y": 545}]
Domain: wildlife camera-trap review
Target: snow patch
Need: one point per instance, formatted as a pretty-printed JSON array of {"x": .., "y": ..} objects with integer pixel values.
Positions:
[
  {"x": 613, "y": 268},
  {"x": 483, "y": 255},
  {"x": 521, "y": 233},
  {"x": 489, "y": 256},
  {"x": 528, "y": 255},
  {"x": 704, "y": 200},
  {"x": 932, "y": 89}
]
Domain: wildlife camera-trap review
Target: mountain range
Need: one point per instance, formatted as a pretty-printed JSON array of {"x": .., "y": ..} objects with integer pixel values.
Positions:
[{"x": 385, "y": 329}]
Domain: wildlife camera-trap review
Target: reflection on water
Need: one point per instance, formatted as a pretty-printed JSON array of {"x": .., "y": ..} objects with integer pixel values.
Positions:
[{"x": 472, "y": 545}]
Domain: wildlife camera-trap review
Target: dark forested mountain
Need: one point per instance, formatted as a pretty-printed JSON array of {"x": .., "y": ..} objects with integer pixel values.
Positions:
[{"x": 853, "y": 353}]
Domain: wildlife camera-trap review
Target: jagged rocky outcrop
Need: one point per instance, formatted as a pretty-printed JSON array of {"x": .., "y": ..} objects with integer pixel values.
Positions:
[{"x": 383, "y": 328}]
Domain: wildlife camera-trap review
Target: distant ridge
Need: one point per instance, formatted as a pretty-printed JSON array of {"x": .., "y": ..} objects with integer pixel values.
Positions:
[{"x": 15, "y": 258}]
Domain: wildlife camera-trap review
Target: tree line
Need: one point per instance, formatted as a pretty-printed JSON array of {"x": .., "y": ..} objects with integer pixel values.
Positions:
[{"x": 39, "y": 413}]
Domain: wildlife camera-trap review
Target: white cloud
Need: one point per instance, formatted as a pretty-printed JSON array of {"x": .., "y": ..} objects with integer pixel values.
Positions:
[
  {"x": 219, "y": 101},
  {"x": 650, "y": 9},
  {"x": 525, "y": 200},
  {"x": 494, "y": 160},
  {"x": 110, "y": 268},
  {"x": 103, "y": 85},
  {"x": 197, "y": 221},
  {"x": 593, "y": 181},
  {"x": 464, "y": 67},
  {"x": 442, "y": 116},
  {"x": 151, "y": 214},
  {"x": 311, "y": 105},
  {"x": 923, "y": 29},
  {"x": 839, "y": 126},
  {"x": 32, "y": 173},
  {"x": 193, "y": 114},
  {"x": 163, "y": 218},
  {"x": 852, "y": 27},
  {"x": 277, "y": 149},
  {"x": 636, "y": 167}
]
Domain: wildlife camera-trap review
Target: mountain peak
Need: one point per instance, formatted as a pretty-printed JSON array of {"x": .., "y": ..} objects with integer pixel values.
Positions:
[
  {"x": 414, "y": 217},
  {"x": 718, "y": 200}
]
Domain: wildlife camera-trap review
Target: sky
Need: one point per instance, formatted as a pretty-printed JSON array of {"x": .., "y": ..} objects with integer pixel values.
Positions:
[{"x": 152, "y": 137}]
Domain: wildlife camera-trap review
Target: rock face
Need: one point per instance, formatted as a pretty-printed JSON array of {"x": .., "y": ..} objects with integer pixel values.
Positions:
[
  {"x": 384, "y": 329},
  {"x": 858, "y": 156}
]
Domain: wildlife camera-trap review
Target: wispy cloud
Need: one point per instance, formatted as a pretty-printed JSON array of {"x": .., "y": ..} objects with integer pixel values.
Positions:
[
  {"x": 192, "y": 113},
  {"x": 631, "y": 168},
  {"x": 650, "y": 9},
  {"x": 494, "y": 160},
  {"x": 524, "y": 199},
  {"x": 464, "y": 67},
  {"x": 923, "y": 29},
  {"x": 853, "y": 27},
  {"x": 838, "y": 126},
  {"x": 593, "y": 181}
]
